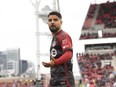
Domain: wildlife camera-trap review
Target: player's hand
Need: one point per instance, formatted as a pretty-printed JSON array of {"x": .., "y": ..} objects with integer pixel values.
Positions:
[{"x": 49, "y": 64}]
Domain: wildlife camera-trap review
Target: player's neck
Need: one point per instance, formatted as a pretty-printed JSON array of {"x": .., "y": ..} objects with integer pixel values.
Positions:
[{"x": 53, "y": 34}]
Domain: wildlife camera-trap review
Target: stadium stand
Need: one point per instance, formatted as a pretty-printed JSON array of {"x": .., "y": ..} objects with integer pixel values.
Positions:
[
  {"x": 97, "y": 65},
  {"x": 102, "y": 15}
]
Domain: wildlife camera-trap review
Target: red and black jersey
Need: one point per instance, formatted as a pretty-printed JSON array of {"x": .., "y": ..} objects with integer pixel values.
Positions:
[
  {"x": 61, "y": 73},
  {"x": 61, "y": 42}
]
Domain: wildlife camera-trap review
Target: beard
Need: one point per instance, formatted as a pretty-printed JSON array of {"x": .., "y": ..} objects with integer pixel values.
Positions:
[{"x": 54, "y": 29}]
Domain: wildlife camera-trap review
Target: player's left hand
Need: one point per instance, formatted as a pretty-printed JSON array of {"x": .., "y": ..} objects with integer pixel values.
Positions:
[{"x": 49, "y": 64}]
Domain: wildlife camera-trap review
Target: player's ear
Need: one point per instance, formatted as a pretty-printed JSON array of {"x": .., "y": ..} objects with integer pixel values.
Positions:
[{"x": 61, "y": 21}]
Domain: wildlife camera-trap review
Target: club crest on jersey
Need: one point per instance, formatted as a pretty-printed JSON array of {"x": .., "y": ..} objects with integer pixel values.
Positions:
[{"x": 53, "y": 43}]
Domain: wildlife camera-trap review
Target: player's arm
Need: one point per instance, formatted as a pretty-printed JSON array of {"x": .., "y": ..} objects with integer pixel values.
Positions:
[
  {"x": 64, "y": 58},
  {"x": 66, "y": 44}
]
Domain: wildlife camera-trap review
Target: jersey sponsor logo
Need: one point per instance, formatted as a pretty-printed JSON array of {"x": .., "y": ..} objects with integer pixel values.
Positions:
[{"x": 53, "y": 52}]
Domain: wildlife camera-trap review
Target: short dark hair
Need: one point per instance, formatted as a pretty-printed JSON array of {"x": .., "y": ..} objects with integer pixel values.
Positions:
[{"x": 55, "y": 13}]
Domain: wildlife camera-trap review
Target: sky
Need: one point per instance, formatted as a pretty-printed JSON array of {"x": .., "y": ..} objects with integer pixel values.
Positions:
[{"x": 18, "y": 27}]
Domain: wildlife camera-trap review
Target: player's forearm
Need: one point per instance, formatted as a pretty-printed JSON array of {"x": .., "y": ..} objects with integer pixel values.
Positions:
[{"x": 64, "y": 58}]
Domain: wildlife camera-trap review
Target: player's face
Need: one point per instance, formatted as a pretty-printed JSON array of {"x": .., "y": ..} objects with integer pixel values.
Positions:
[{"x": 54, "y": 23}]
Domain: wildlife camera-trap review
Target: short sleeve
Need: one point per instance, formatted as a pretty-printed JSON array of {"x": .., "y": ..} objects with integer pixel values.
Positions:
[{"x": 66, "y": 43}]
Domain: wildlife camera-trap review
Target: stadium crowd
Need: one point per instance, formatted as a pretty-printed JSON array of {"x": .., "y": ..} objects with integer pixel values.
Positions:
[{"x": 93, "y": 72}]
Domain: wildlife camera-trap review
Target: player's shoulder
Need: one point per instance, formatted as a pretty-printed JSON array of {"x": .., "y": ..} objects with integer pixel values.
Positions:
[{"x": 62, "y": 34}]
